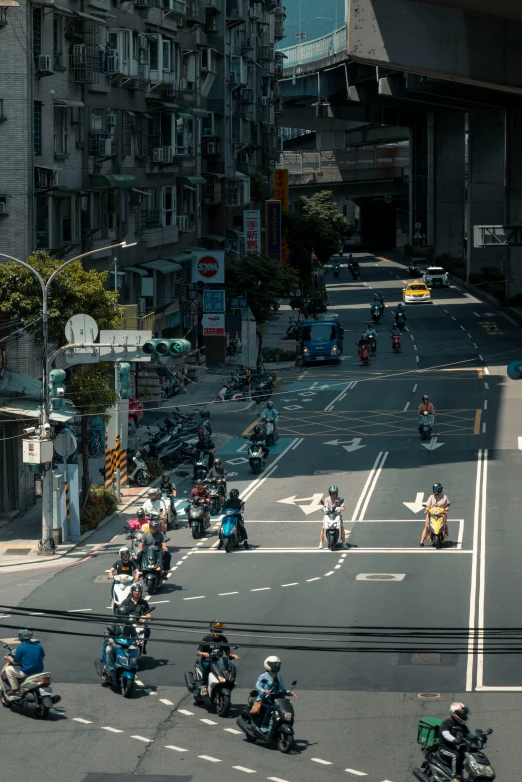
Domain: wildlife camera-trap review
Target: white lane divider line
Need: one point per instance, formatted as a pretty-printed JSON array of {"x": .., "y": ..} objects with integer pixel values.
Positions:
[
  {"x": 179, "y": 563},
  {"x": 485, "y": 404},
  {"x": 140, "y": 683},
  {"x": 485, "y": 370},
  {"x": 261, "y": 589},
  {"x": 209, "y": 758},
  {"x": 406, "y": 407},
  {"x": 111, "y": 730},
  {"x": 483, "y": 427},
  {"x": 475, "y": 345},
  {"x": 199, "y": 597},
  {"x": 246, "y": 770},
  {"x": 330, "y": 573},
  {"x": 323, "y": 762},
  {"x": 412, "y": 337},
  {"x": 234, "y": 731},
  {"x": 366, "y": 486},
  {"x": 208, "y": 722},
  {"x": 337, "y": 567},
  {"x": 357, "y": 773},
  {"x": 469, "y": 335},
  {"x": 166, "y": 702},
  {"x": 415, "y": 387},
  {"x": 184, "y": 711},
  {"x": 486, "y": 385},
  {"x": 277, "y": 779},
  {"x": 417, "y": 358},
  {"x": 185, "y": 557},
  {"x": 317, "y": 578},
  {"x": 453, "y": 318},
  {"x": 374, "y": 482},
  {"x": 142, "y": 738},
  {"x": 414, "y": 346},
  {"x": 78, "y": 610},
  {"x": 343, "y": 556},
  {"x": 80, "y": 719},
  {"x": 176, "y": 749},
  {"x": 293, "y": 584},
  {"x": 222, "y": 594},
  {"x": 157, "y": 602},
  {"x": 297, "y": 444}
]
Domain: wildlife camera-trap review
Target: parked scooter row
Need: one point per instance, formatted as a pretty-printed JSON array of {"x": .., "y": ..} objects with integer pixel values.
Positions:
[{"x": 239, "y": 385}]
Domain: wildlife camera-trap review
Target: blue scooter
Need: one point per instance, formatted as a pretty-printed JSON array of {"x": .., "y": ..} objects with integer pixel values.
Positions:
[
  {"x": 229, "y": 533},
  {"x": 127, "y": 656}
]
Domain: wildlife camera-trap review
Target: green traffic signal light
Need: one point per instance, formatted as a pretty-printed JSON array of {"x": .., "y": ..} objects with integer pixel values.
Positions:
[
  {"x": 166, "y": 347},
  {"x": 57, "y": 388},
  {"x": 124, "y": 370}
]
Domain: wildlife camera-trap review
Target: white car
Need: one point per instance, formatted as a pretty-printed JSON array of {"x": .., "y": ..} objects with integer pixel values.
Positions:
[{"x": 435, "y": 277}]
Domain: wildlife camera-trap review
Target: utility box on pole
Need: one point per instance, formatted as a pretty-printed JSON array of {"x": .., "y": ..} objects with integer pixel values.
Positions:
[{"x": 37, "y": 451}]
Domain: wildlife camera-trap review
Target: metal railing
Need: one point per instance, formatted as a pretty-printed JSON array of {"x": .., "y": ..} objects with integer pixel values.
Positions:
[
  {"x": 356, "y": 157},
  {"x": 333, "y": 43}
]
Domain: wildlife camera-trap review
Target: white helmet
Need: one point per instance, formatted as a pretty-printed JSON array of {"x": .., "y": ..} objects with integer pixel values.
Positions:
[
  {"x": 124, "y": 550},
  {"x": 272, "y": 663}
]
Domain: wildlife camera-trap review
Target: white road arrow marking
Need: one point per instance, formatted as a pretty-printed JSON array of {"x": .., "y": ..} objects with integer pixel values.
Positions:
[
  {"x": 313, "y": 507},
  {"x": 520, "y": 443},
  {"x": 416, "y": 506},
  {"x": 293, "y": 407},
  {"x": 306, "y": 400},
  {"x": 348, "y": 445},
  {"x": 432, "y": 445}
]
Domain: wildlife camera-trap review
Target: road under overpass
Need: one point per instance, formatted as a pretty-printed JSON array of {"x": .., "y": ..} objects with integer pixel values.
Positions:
[{"x": 447, "y": 75}]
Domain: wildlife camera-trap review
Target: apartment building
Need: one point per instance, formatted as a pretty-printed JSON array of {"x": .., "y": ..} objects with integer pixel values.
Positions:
[{"x": 135, "y": 120}]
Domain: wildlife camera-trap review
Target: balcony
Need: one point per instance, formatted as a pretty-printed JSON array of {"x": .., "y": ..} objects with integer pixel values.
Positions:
[
  {"x": 195, "y": 12},
  {"x": 146, "y": 220},
  {"x": 210, "y": 147}
]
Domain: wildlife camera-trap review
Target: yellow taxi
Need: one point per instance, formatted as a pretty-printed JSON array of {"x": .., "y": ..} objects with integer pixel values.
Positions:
[{"x": 416, "y": 292}]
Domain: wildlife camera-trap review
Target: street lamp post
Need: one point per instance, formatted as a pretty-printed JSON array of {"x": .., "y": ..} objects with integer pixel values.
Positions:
[{"x": 47, "y": 497}]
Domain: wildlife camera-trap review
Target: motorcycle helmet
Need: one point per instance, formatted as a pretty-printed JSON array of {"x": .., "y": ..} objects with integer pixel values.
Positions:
[
  {"x": 273, "y": 664},
  {"x": 234, "y": 494},
  {"x": 151, "y": 492},
  {"x": 217, "y": 462},
  {"x": 370, "y": 325},
  {"x": 257, "y": 430},
  {"x": 379, "y": 294},
  {"x": 141, "y": 513},
  {"x": 153, "y": 525},
  {"x": 363, "y": 335},
  {"x": 165, "y": 475},
  {"x": 270, "y": 405},
  {"x": 25, "y": 635},
  {"x": 124, "y": 550},
  {"x": 425, "y": 398},
  {"x": 459, "y": 713},
  {"x": 137, "y": 587},
  {"x": 437, "y": 488},
  {"x": 333, "y": 490},
  {"x": 204, "y": 435},
  {"x": 216, "y": 628}
]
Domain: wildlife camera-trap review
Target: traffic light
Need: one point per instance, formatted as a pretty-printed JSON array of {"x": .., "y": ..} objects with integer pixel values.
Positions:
[
  {"x": 124, "y": 370},
  {"x": 57, "y": 388},
  {"x": 166, "y": 347}
]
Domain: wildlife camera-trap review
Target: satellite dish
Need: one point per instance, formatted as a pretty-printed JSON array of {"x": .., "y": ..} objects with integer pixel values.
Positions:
[
  {"x": 81, "y": 328},
  {"x": 65, "y": 444}
]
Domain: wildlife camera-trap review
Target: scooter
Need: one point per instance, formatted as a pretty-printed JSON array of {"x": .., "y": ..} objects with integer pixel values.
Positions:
[
  {"x": 218, "y": 492},
  {"x": 278, "y": 724},
  {"x": 426, "y": 425},
  {"x": 152, "y": 568},
  {"x": 34, "y": 694},
  {"x": 201, "y": 465},
  {"x": 221, "y": 682},
  {"x": 127, "y": 656},
  {"x": 355, "y": 271},
  {"x": 372, "y": 343},
  {"x": 400, "y": 320},
  {"x": 336, "y": 270},
  {"x": 376, "y": 313},
  {"x": 364, "y": 354},
  {"x": 437, "y": 527},
  {"x": 228, "y": 532},
  {"x": 477, "y": 766},
  {"x": 168, "y": 499},
  {"x": 256, "y": 458},
  {"x": 137, "y": 469},
  {"x": 269, "y": 430},
  {"x": 396, "y": 343},
  {"x": 196, "y": 517},
  {"x": 332, "y": 525},
  {"x": 121, "y": 590}
]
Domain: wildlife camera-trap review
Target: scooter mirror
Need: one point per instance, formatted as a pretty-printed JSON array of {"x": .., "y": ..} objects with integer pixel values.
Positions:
[
  {"x": 488, "y": 732},
  {"x": 294, "y": 683}
]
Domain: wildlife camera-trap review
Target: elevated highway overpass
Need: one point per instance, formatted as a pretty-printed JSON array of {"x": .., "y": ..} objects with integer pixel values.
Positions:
[{"x": 445, "y": 74}]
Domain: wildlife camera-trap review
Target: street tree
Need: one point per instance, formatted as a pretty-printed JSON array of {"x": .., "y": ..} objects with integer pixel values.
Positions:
[
  {"x": 73, "y": 291},
  {"x": 262, "y": 281}
]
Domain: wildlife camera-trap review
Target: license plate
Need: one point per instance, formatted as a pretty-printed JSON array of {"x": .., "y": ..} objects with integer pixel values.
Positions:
[
  {"x": 46, "y": 690},
  {"x": 319, "y": 358}
]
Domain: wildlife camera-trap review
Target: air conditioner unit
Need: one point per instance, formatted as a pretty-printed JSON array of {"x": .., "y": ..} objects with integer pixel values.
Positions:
[
  {"x": 79, "y": 54},
  {"x": 182, "y": 84},
  {"x": 182, "y": 223},
  {"x": 111, "y": 62},
  {"x": 45, "y": 64},
  {"x": 167, "y": 154},
  {"x": 157, "y": 155}
]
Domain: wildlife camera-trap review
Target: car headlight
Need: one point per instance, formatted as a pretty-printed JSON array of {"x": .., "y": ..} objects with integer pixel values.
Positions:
[
  {"x": 287, "y": 715},
  {"x": 428, "y": 280},
  {"x": 478, "y": 768},
  {"x": 306, "y": 350},
  {"x": 334, "y": 350}
]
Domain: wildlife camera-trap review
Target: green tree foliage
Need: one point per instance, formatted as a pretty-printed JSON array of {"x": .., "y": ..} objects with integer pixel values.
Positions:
[
  {"x": 73, "y": 291},
  {"x": 324, "y": 206},
  {"x": 259, "y": 186}
]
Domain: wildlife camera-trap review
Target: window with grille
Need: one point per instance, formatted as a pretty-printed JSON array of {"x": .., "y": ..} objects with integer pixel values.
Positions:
[
  {"x": 37, "y": 32},
  {"x": 127, "y": 123},
  {"x": 232, "y": 192},
  {"x": 168, "y": 205},
  {"x": 37, "y": 122},
  {"x": 60, "y": 130},
  {"x": 57, "y": 40}
]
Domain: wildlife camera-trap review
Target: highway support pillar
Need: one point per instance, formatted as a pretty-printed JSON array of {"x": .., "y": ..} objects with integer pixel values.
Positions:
[
  {"x": 513, "y": 265},
  {"x": 449, "y": 183},
  {"x": 420, "y": 182},
  {"x": 486, "y": 184}
]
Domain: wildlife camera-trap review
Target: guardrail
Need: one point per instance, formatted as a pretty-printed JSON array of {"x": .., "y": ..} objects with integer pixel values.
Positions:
[
  {"x": 351, "y": 158},
  {"x": 333, "y": 43}
]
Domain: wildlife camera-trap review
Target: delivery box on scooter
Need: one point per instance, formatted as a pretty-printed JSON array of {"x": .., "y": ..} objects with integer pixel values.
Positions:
[{"x": 428, "y": 733}]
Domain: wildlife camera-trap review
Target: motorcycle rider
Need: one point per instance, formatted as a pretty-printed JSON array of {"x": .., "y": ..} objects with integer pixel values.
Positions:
[
  {"x": 371, "y": 335},
  {"x": 333, "y": 501},
  {"x": 270, "y": 414},
  {"x": 217, "y": 471},
  {"x": 26, "y": 661},
  {"x": 122, "y": 629},
  {"x": 155, "y": 506},
  {"x": 168, "y": 492},
  {"x": 124, "y": 565},
  {"x": 201, "y": 492},
  {"x": 451, "y": 733},
  {"x": 154, "y": 537},
  {"x": 212, "y": 639},
  {"x": 439, "y": 500},
  {"x": 395, "y": 332},
  {"x": 206, "y": 445},
  {"x": 136, "y": 604},
  {"x": 425, "y": 407},
  {"x": 268, "y": 682},
  {"x": 258, "y": 438},
  {"x": 401, "y": 310},
  {"x": 380, "y": 298},
  {"x": 234, "y": 502}
]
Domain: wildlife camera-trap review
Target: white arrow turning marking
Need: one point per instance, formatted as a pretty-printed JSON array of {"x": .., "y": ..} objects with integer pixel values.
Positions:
[
  {"x": 348, "y": 445},
  {"x": 313, "y": 507},
  {"x": 416, "y": 506},
  {"x": 432, "y": 445}
]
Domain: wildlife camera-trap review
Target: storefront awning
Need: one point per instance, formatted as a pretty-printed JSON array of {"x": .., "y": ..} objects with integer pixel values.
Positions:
[
  {"x": 184, "y": 114},
  {"x": 30, "y": 409},
  {"x": 138, "y": 270},
  {"x": 191, "y": 180},
  {"x": 236, "y": 234},
  {"x": 170, "y": 106},
  {"x": 214, "y": 237},
  {"x": 14, "y": 383},
  {"x": 213, "y": 173},
  {"x": 66, "y": 102},
  {"x": 182, "y": 257},
  {"x": 199, "y": 112},
  {"x": 112, "y": 180},
  {"x": 163, "y": 265},
  {"x": 240, "y": 175}
]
